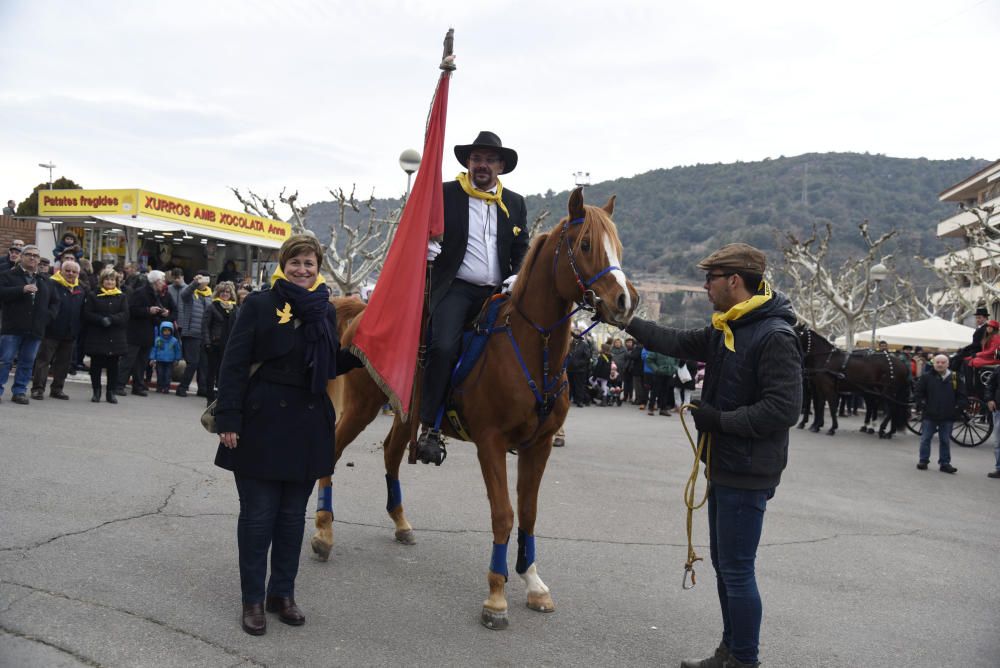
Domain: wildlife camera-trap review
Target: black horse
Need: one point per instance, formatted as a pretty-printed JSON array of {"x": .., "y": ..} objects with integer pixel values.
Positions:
[{"x": 881, "y": 377}]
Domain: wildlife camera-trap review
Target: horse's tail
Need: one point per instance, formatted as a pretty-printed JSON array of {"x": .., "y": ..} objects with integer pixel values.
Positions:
[{"x": 901, "y": 404}]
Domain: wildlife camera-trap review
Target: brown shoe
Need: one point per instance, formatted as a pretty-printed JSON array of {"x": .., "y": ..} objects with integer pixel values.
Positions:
[
  {"x": 288, "y": 612},
  {"x": 253, "y": 620}
]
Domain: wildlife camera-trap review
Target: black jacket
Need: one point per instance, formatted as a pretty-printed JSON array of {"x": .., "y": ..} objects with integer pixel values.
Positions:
[
  {"x": 26, "y": 314},
  {"x": 285, "y": 431},
  {"x": 751, "y": 450},
  {"x": 106, "y": 337},
  {"x": 66, "y": 325},
  {"x": 142, "y": 324},
  {"x": 635, "y": 360},
  {"x": 940, "y": 399},
  {"x": 511, "y": 247},
  {"x": 216, "y": 325}
]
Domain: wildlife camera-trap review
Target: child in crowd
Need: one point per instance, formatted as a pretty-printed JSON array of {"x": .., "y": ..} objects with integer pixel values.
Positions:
[
  {"x": 166, "y": 351},
  {"x": 614, "y": 387}
]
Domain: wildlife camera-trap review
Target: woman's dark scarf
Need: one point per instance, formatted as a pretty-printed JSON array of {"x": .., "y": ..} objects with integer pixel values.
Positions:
[{"x": 311, "y": 307}]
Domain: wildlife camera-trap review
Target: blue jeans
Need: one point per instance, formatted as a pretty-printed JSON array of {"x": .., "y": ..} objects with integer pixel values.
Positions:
[
  {"x": 735, "y": 522},
  {"x": 272, "y": 515},
  {"x": 20, "y": 348},
  {"x": 927, "y": 431}
]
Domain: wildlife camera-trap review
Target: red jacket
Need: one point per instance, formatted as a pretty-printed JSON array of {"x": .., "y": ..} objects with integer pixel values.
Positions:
[{"x": 988, "y": 355}]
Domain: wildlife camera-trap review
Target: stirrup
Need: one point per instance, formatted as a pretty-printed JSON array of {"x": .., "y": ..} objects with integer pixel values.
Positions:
[{"x": 431, "y": 448}]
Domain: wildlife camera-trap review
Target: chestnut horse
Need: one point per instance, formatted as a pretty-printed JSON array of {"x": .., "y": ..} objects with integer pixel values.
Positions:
[{"x": 517, "y": 398}]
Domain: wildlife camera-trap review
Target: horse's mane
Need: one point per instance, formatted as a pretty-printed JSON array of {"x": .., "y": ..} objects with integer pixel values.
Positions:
[
  {"x": 520, "y": 286},
  {"x": 596, "y": 222}
]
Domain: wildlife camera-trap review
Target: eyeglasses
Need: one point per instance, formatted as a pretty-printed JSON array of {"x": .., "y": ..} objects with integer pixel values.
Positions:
[{"x": 709, "y": 277}]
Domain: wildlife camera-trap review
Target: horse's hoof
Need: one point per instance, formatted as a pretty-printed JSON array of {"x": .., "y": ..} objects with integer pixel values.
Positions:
[
  {"x": 871, "y": 430},
  {"x": 321, "y": 549},
  {"x": 406, "y": 537},
  {"x": 493, "y": 620},
  {"x": 863, "y": 430},
  {"x": 541, "y": 602}
]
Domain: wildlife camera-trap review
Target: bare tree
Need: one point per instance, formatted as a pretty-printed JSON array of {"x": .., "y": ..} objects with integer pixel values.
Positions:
[
  {"x": 848, "y": 288},
  {"x": 968, "y": 276},
  {"x": 365, "y": 243}
]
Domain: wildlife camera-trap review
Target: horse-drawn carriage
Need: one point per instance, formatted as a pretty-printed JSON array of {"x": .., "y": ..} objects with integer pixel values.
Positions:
[{"x": 974, "y": 425}]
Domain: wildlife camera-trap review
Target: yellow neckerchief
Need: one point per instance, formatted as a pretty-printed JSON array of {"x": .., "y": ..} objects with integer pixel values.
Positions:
[
  {"x": 227, "y": 304},
  {"x": 109, "y": 293},
  {"x": 463, "y": 180},
  {"x": 721, "y": 320},
  {"x": 280, "y": 274},
  {"x": 203, "y": 292},
  {"x": 61, "y": 280}
]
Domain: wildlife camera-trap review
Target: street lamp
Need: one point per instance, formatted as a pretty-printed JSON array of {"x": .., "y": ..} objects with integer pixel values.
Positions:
[
  {"x": 49, "y": 166},
  {"x": 581, "y": 179},
  {"x": 409, "y": 161},
  {"x": 878, "y": 273}
]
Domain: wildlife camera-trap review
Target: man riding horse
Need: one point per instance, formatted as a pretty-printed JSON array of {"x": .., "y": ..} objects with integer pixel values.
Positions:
[{"x": 485, "y": 240}]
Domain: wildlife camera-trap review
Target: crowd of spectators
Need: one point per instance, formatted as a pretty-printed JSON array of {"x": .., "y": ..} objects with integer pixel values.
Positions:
[
  {"x": 624, "y": 373},
  {"x": 126, "y": 320}
]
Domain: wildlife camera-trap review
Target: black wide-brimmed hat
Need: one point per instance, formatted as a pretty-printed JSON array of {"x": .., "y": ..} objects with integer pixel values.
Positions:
[
  {"x": 488, "y": 141},
  {"x": 981, "y": 310}
]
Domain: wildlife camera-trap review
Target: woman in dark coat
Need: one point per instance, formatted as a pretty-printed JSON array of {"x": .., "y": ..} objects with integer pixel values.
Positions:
[
  {"x": 216, "y": 325},
  {"x": 106, "y": 315},
  {"x": 275, "y": 423}
]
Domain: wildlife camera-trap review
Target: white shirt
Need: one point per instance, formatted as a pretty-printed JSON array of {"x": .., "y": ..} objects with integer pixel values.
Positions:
[{"x": 481, "y": 264}]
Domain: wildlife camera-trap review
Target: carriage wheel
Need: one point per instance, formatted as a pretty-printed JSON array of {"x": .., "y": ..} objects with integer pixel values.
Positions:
[
  {"x": 975, "y": 426},
  {"x": 915, "y": 422}
]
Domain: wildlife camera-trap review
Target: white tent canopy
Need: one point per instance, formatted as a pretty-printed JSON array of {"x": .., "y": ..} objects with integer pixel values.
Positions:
[{"x": 930, "y": 333}]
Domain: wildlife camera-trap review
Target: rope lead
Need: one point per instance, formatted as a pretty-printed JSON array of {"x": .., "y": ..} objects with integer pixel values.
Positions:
[{"x": 704, "y": 446}]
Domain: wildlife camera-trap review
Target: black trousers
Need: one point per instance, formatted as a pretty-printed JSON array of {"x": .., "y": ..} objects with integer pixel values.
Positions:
[
  {"x": 54, "y": 355},
  {"x": 641, "y": 392},
  {"x": 134, "y": 364},
  {"x": 100, "y": 362},
  {"x": 627, "y": 387},
  {"x": 195, "y": 363},
  {"x": 460, "y": 305},
  {"x": 212, "y": 365},
  {"x": 578, "y": 387},
  {"x": 272, "y": 516}
]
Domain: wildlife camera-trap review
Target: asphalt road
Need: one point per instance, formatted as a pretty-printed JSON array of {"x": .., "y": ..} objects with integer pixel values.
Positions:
[{"x": 117, "y": 548}]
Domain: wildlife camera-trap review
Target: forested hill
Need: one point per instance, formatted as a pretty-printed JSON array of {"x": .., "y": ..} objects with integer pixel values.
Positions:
[{"x": 670, "y": 218}]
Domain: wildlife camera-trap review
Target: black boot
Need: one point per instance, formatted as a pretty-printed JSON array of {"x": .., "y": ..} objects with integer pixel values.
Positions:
[
  {"x": 430, "y": 447},
  {"x": 717, "y": 660},
  {"x": 111, "y": 396},
  {"x": 97, "y": 392}
]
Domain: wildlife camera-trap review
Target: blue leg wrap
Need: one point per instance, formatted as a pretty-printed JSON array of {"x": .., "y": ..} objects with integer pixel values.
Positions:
[
  {"x": 324, "y": 499},
  {"x": 395, "y": 493},
  {"x": 498, "y": 563},
  {"x": 525, "y": 551}
]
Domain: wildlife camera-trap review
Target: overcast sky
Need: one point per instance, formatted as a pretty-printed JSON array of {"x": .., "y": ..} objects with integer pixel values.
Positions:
[{"x": 187, "y": 98}]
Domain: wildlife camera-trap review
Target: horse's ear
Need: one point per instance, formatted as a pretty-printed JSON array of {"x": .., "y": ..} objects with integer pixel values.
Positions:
[
  {"x": 609, "y": 206},
  {"x": 576, "y": 204}
]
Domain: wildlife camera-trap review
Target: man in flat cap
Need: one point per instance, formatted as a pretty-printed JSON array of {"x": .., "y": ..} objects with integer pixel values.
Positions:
[
  {"x": 751, "y": 396},
  {"x": 484, "y": 241}
]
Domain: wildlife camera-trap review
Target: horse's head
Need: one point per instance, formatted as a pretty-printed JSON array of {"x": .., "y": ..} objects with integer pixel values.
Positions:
[{"x": 588, "y": 266}]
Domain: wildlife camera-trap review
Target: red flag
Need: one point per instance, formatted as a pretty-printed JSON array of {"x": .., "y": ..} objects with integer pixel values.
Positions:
[{"x": 388, "y": 335}]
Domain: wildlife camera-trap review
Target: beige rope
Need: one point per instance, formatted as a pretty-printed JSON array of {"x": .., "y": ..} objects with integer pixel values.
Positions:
[{"x": 704, "y": 445}]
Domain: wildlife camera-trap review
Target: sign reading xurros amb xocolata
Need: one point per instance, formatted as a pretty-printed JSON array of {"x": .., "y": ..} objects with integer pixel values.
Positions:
[{"x": 134, "y": 202}]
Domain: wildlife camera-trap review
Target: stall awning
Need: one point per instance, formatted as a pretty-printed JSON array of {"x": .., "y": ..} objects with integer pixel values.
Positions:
[
  {"x": 230, "y": 237},
  {"x": 143, "y": 209},
  {"x": 140, "y": 222}
]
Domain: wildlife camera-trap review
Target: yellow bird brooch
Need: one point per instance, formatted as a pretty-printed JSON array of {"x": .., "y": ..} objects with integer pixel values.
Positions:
[{"x": 285, "y": 314}]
